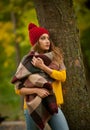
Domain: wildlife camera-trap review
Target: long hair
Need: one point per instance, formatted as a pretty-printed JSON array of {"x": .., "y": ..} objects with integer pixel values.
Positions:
[{"x": 56, "y": 51}]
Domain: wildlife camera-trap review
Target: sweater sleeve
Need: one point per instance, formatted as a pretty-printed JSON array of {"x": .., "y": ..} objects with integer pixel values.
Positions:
[
  {"x": 18, "y": 85},
  {"x": 17, "y": 91},
  {"x": 59, "y": 75}
]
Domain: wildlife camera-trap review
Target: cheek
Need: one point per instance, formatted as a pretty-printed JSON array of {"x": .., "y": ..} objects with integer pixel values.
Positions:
[{"x": 42, "y": 46}]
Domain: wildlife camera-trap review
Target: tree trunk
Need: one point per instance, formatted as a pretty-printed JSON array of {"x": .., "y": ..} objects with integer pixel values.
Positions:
[
  {"x": 59, "y": 18},
  {"x": 17, "y": 48}
]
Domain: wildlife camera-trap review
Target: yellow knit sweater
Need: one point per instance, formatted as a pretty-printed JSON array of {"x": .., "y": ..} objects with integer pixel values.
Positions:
[{"x": 59, "y": 76}]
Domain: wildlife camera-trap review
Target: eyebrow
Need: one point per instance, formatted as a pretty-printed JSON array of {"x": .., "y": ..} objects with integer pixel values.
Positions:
[{"x": 45, "y": 36}]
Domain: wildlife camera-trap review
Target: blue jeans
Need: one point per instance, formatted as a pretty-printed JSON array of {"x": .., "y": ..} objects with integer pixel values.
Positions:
[{"x": 56, "y": 122}]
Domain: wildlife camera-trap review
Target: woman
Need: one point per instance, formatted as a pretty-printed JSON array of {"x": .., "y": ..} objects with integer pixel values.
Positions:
[{"x": 40, "y": 41}]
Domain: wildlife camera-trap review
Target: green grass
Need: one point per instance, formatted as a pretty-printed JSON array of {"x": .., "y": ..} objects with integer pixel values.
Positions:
[{"x": 10, "y": 103}]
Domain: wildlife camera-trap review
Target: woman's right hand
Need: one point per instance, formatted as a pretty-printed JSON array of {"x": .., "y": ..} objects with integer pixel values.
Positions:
[{"x": 42, "y": 92}]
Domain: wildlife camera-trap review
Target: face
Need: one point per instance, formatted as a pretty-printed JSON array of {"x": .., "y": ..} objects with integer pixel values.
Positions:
[{"x": 44, "y": 42}]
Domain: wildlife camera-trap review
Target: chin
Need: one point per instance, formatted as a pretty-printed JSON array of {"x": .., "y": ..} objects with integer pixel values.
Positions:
[{"x": 47, "y": 49}]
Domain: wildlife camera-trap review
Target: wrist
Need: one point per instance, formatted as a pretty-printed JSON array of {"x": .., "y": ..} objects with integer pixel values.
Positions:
[
  {"x": 43, "y": 67},
  {"x": 36, "y": 90},
  {"x": 47, "y": 69}
]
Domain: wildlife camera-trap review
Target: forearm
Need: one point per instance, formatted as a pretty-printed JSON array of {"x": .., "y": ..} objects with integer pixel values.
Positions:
[
  {"x": 46, "y": 69},
  {"x": 37, "y": 62},
  {"x": 55, "y": 74},
  {"x": 26, "y": 91},
  {"x": 40, "y": 92}
]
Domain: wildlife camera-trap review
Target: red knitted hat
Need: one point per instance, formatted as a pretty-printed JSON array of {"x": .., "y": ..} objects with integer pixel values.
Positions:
[{"x": 35, "y": 33}]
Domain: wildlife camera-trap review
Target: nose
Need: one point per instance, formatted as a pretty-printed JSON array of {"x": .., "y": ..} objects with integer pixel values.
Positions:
[{"x": 47, "y": 40}]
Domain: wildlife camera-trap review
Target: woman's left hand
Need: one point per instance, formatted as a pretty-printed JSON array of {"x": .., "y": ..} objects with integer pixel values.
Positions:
[{"x": 37, "y": 62}]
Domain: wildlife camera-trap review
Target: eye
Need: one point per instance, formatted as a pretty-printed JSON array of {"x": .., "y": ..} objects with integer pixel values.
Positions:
[
  {"x": 43, "y": 38},
  {"x": 48, "y": 38}
]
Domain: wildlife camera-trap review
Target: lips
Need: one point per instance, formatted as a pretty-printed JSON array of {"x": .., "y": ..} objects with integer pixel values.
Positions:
[{"x": 47, "y": 45}]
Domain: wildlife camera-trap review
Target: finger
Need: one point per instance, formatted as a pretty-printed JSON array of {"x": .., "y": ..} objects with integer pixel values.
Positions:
[
  {"x": 39, "y": 59},
  {"x": 33, "y": 63},
  {"x": 47, "y": 93},
  {"x": 34, "y": 59}
]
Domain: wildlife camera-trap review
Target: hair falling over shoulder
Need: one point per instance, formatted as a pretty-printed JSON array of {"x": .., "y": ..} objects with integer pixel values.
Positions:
[{"x": 57, "y": 53}]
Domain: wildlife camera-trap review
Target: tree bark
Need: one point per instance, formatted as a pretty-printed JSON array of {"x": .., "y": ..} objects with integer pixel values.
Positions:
[
  {"x": 17, "y": 48},
  {"x": 59, "y": 18}
]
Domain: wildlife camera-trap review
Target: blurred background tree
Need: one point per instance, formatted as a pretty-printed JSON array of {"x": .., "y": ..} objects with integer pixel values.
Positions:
[
  {"x": 14, "y": 18},
  {"x": 14, "y": 43},
  {"x": 82, "y": 10}
]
